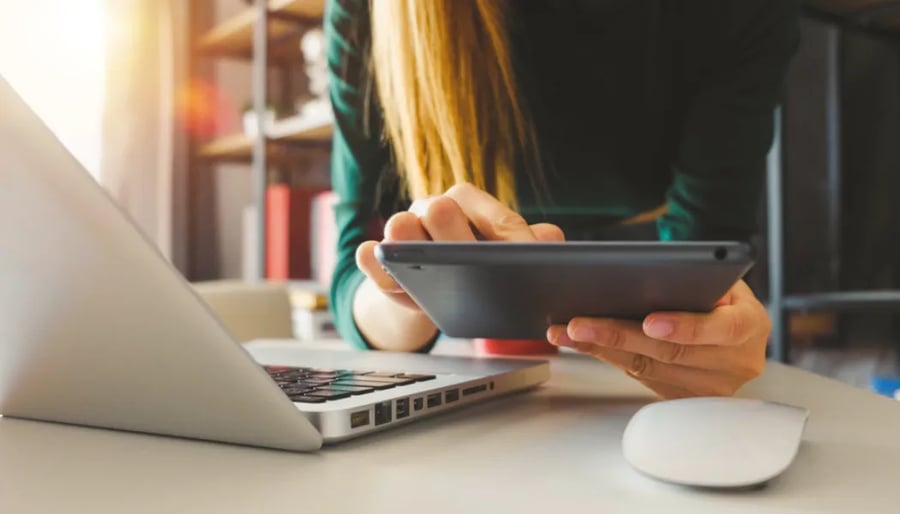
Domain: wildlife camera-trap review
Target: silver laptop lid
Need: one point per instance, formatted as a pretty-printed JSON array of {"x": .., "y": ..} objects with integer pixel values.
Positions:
[{"x": 96, "y": 328}]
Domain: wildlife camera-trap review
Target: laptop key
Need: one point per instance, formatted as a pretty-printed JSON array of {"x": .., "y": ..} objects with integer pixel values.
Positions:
[
  {"x": 387, "y": 374},
  {"x": 307, "y": 399},
  {"x": 289, "y": 375},
  {"x": 297, "y": 390},
  {"x": 415, "y": 376},
  {"x": 354, "y": 390},
  {"x": 280, "y": 369},
  {"x": 329, "y": 394},
  {"x": 334, "y": 372},
  {"x": 387, "y": 380},
  {"x": 362, "y": 383},
  {"x": 289, "y": 380},
  {"x": 319, "y": 376},
  {"x": 317, "y": 381}
]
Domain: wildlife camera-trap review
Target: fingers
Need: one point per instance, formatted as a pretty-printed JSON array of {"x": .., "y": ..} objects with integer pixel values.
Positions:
[
  {"x": 680, "y": 354},
  {"x": 442, "y": 218},
  {"x": 548, "y": 233},
  {"x": 492, "y": 219},
  {"x": 725, "y": 325},
  {"x": 709, "y": 382},
  {"x": 666, "y": 379},
  {"x": 452, "y": 216},
  {"x": 404, "y": 226},
  {"x": 732, "y": 324},
  {"x": 368, "y": 263},
  {"x": 628, "y": 336}
]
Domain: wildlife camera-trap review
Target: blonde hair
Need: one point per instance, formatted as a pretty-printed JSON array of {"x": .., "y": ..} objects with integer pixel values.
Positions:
[{"x": 445, "y": 80}]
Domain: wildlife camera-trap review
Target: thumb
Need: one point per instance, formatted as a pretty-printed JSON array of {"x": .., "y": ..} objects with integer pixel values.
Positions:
[{"x": 548, "y": 233}]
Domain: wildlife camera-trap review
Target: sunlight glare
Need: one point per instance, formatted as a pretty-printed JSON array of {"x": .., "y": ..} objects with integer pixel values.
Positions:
[{"x": 53, "y": 53}]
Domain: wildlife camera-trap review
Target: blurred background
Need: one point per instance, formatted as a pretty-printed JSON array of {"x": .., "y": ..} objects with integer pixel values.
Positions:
[{"x": 199, "y": 115}]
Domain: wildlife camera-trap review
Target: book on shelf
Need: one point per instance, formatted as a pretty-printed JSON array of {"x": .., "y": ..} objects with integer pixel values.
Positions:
[
  {"x": 288, "y": 231},
  {"x": 301, "y": 239}
]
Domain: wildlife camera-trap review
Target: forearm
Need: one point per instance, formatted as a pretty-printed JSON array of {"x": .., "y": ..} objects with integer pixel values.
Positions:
[{"x": 387, "y": 325}]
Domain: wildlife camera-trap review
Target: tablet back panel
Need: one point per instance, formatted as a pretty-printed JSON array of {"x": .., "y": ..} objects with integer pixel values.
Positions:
[{"x": 515, "y": 291}]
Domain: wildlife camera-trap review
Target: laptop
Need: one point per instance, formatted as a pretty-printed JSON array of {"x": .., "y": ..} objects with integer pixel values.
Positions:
[{"x": 98, "y": 329}]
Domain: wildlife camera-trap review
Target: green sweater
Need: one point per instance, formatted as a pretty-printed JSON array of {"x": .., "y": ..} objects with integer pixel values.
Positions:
[{"x": 635, "y": 104}]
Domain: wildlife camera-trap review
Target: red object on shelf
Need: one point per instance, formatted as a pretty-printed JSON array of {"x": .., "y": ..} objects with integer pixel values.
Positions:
[
  {"x": 288, "y": 228},
  {"x": 515, "y": 347}
]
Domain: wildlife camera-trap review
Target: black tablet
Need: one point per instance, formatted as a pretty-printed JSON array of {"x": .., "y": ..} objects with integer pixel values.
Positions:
[{"x": 516, "y": 290}]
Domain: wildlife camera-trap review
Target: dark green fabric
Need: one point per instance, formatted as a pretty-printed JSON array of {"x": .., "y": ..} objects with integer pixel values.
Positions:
[{"x": 635, "y": 103}]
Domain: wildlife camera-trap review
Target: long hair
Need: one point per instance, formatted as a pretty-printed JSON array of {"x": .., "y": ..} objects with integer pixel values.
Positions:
[{"x": 452, "y": 109}]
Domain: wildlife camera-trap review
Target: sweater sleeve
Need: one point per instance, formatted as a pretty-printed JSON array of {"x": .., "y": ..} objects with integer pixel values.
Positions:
[
  {"x": 732, "y": 79},
  {"x": 359, "y": 156}
]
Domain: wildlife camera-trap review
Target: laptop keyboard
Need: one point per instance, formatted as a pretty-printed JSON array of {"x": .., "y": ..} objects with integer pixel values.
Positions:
[{"x": 315, "y": 385}]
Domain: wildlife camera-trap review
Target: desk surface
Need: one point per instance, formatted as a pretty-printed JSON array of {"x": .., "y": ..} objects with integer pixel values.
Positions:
[{"x": 553, "y": 450}]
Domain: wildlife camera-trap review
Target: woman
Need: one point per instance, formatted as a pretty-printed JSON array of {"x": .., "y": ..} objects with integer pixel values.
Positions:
[{"x": 528, "y": 120}]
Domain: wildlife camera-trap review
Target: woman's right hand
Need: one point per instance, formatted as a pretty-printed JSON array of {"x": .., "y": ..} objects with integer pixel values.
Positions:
[{"x": 451, "y": 216}]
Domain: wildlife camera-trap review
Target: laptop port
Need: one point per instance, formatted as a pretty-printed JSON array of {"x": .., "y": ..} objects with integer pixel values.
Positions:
[
  {"x": 359, "y": 418},
  {"x": 451, "y": 395},
  {"x": 474, "y": 389},
  {"x": 418, "y": 403},
  {"x": 434, "y": 400},
  {"x": 402, "y": 408},
  {"x": 382, "y": 413}
]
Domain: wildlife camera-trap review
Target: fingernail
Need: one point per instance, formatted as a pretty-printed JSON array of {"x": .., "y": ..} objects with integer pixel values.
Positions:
[
  {"x": 559, "y": 338},
  {"x": 583, "y": 333},
  {"x": 659, "y": 328}
]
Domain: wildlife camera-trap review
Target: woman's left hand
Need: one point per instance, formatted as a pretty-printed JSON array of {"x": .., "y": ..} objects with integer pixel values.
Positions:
[{"x": 680, "y": 354}]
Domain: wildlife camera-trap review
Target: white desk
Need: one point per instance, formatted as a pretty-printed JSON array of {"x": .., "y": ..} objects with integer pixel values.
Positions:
[{"x": 556, "y": 450}]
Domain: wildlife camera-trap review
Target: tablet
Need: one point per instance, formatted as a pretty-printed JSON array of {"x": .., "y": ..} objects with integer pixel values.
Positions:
[{"x": 516, "y": 290}]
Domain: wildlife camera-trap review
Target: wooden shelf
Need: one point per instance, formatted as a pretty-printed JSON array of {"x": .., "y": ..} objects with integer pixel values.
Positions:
[
  {"x": 304, "y": 9},
  {"x": 234, "y": 36},
  {"x": 239, "y": 147},
  {"x": 236, "y": 147},
  {"x": 297, "y": 130}
]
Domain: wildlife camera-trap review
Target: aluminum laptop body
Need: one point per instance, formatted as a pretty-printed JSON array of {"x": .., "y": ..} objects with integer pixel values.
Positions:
[{"x": 97, "y": 329}]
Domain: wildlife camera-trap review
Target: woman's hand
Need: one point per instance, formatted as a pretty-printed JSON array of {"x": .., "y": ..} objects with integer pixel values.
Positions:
[
  {"x": 680, "y": 354},
  {"x": 450, "y": 217}
]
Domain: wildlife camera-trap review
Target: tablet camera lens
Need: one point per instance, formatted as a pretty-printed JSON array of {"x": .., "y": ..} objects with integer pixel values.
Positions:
[{"x": 721, "y": 254}]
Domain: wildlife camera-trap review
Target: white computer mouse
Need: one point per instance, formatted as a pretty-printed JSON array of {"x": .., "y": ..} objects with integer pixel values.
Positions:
[{"x": 714, "y": 442}]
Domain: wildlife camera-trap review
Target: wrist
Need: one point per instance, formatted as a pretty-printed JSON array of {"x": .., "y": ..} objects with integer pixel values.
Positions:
[{"x": 388, "y": 325}]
